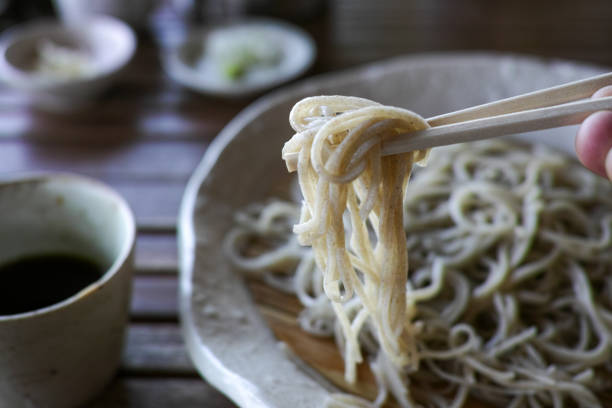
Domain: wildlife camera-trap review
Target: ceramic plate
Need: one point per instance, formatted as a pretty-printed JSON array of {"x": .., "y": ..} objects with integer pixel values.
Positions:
[
  {"x": 194, "y": 65},
  {"x": 228, "y": 340}
]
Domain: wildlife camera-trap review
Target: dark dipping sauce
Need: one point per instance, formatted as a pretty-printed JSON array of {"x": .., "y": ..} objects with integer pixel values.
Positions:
[{"x": 36, "y": 281}]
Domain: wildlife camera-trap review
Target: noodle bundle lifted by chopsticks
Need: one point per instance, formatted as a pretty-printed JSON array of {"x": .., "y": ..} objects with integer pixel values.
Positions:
[
  {"x": 509, "y": 294},
  {"x": 340, "y": 168}
]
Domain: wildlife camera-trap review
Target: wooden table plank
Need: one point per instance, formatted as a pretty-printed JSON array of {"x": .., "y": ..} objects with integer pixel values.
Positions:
[
  {"x": 156, "y": 254},
  {"x": 123, "y": 161},
  {"x": 182, "y": 113},
  {"x": 155, "y": 349},
  {"x": 151, "y": 200},
  {"x": 137, "y": 392},
  {"x": 154, "y": 124},
  {"x": 154, "y": 298},
  {"x": 365, "y": 31}
]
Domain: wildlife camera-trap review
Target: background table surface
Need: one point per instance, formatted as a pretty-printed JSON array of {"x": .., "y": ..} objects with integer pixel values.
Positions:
[{"x": 147, "y": 135}]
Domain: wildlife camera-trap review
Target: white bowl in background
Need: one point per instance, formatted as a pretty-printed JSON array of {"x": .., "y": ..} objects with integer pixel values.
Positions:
[
  {"x": 133, "y": 12},
  {"x": 189, "y": 63},
  {"x": 108, "y": 44}
]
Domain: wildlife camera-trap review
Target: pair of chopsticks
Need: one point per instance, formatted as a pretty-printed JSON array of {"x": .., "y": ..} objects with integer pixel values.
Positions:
[{"x": 544, "y": 109}]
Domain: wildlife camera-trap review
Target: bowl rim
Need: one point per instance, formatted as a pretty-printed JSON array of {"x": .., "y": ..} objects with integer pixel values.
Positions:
[{"x": 19, "y": 77}]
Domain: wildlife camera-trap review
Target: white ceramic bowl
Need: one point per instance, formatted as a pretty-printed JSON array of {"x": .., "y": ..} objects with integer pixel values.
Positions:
[
  {"x": 62, "y": 355},
  {"x": 134, "y": 12},
  {"x": 108, "y": 43},
  {"x": 189, "y": 64},
  {"x": 233, "y": 347}
]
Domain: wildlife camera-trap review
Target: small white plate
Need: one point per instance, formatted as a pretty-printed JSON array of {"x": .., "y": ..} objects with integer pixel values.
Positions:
[
  {"x": 228, "y": 340},
  {"x": 190, "y": 64}
]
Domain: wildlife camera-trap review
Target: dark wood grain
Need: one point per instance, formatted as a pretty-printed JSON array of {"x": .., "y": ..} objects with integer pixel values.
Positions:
[
  {"x": 156, "y": 254},
  {"x": 154, "y": 298},
  {"x": 366, "y": 30},
  {"x": 155, "y": 392},
  {"x": 147, "y": 134},
  {"x": 127, "y": 160},
  {"x": 155, "y": 349},
  {"x": 113, "y": 121}
]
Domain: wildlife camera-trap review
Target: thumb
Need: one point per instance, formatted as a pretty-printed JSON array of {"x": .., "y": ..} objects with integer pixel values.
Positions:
[{"x": 594, "y": 139}]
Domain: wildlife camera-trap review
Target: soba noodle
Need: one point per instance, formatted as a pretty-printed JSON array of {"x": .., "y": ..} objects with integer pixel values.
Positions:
[{"x": 509, "y": 294}]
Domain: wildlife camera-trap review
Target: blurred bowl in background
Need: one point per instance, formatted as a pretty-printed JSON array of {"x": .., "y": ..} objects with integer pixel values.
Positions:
[
  {"x": 64, "y": 67},
  {"x": 241, "y": 58},
  {"x": 133, "y": 12}
]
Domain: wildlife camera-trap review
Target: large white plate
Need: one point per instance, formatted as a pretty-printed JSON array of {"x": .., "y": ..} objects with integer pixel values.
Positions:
[{"x": 228, "y": 341}]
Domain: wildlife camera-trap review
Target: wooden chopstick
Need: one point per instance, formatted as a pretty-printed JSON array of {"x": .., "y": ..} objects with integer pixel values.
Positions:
[
  {"x": 536, "y": 119},
  {"x": 555, "y": 95},
  {"x": 543, "y": 109}
]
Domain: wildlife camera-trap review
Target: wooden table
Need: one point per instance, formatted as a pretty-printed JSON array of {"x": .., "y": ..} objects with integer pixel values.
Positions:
[{"x": 147, "y": 135}]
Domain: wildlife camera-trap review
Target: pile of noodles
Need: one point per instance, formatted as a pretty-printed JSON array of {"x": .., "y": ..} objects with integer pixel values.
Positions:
[{"x": 509, "y": 293}]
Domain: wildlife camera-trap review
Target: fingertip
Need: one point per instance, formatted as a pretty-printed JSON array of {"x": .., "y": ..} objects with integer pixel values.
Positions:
[
  {"x": 609, "y": 165},
  {"x": 603, "y": 92},
  {"x": 594, "y": 141}
]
